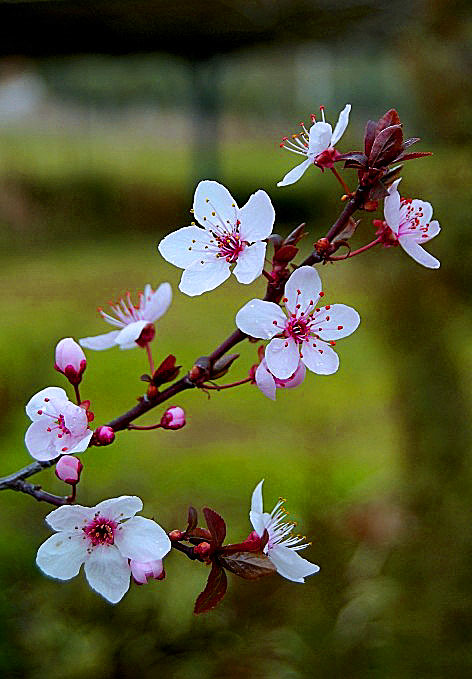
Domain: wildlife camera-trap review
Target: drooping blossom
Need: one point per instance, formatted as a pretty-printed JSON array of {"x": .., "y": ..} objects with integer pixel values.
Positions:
[
  {"x": 136, "y": 322},
  {"x": 103, "y": 538},
  {"x": 70, "y": 360},
  {"x": 143, "y": 571},
  {"x": 68, "y": 469},
  {"x": 409, "y": 223},
  {"x": 317, "y": 144},
  {"x": 269, "y": 384},
  {"x": 229, "y": 235},
  {"x": 305, "y": 332},
  {"x": 282, "y": 547},
  {"x": 58, "y": 426}
]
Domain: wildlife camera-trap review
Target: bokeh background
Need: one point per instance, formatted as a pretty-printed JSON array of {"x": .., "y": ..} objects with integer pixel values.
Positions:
[{"x": 110, "y": 112}]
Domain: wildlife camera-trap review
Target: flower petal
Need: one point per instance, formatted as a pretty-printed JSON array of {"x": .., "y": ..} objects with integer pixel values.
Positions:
[
  {"x": 40, "y": 442},
  {"x": 157, "y": 303},
  {"x": 204, "y": 276},
  {"x": 415, "y": 250},
  {"x": 118, "y": 508},
  {"x": 319, "y": 357},
  {"x": 392, "y": 207},
  {"x": 214, "y": 205},
  {"x": 142, "y": 539},
  {"x": 99, "y": 342},
  {"x": 108, "y": 572},
  {"x": 256, "y": 515},
  {"x": 261, "y": 319},
  {"x": 426, "y": 209},
  {"x": 265, "y": 381},
  {"x": 250, "y": 263},
  {"x": 68, "y": 517},
  {"x": 126, "y": 338},
  {"x": 303, "y": 288},
  {"x": 320, "y": 137},
  {"x": 296, "y": 379},
  {"x": 182, "y": 247},
  {"x": 335, "y": 321},
  {"x": 295, "y": 174},
  {"x": 282, "y": 357},
  {"x": 290, "y": 564},
  {"x": 62, "y": 555},
  {"x": 81, "y": 445},
  {"x": 433, "y": 230},
  {"x": 341, "y": 125},
  {"x": 37, "y": 402},
  {"x": 257, "y": 217}
]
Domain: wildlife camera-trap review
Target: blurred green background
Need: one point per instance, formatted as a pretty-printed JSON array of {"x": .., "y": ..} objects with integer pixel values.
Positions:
[{"x": 99, "y": 156}]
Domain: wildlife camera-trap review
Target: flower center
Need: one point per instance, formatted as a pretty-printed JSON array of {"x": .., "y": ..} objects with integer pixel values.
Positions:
[
  {"x": 298, "y": 329},
  {"x": 101, "y": 531},
  {"x": 230, "y": 246}
]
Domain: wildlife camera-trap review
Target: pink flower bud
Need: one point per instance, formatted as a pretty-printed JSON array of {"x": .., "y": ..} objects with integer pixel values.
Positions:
[
  {"x": 68, "y": 469},
  {"x": 70, "y": 360},
  {"x": 173, "y": 418},
  {"x": 144, "y": 571},
  {"x": 103, "y": 436}
]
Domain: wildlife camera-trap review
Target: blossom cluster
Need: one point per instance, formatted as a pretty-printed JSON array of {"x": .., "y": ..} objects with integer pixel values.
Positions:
[{"x": 295, "y": 331}]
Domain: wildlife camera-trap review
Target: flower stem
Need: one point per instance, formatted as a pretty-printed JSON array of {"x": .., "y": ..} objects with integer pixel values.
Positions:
[
  {"x": 353, "y": 253},
  {"x": 341, "y": 181},
  {"x": 218, "y": 387},
  {"x": 77, "y": 394},
  {"x": 151, "y": 360},
  {"x": 151, "y": 426}
]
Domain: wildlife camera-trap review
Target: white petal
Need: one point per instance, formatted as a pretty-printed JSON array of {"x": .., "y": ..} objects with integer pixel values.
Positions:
[
  {"x": 261, "y": 319},
  {"x": 68, "y": 517},
  {"x": 265, "y": 381},
  {"x": 392, "y": 207},
  {"x": 319, "y": 357},
  {"x": 426, "y": 209},
  {"x": 212, "y": 197},
  {"x": 250, "y": 263},
  {"x": 295, "y": 174},
  {"x": 41, "y": 444},
  {"x": 118, "y": 508},
  {"x": 108, "y": 572},
  {"x": 159, "y": 302},
  {"x": 200, "y": 277},
  {"x": 181, "y": 248},
  {"x": 257, "y": 217},
  {"x": 37, "y": 401},
  {"x": 62, "y": 555},
  {"x": 130, "y": 334},
  {"x": 81, "y": 445},
  {"x": 290, "y": 564},
  {"x": 142, "y": 539},
  {"x": 282, "y": 357},
  {"x": 433, "y": 231},
  {"x": 296, "y": 379},
  {"x": 415, "y": 250},
  {"x": 303, "y": 288},
  {"x": 320, "y": 137},
  {"x": 341, "y": 125},
  {"x": 335, "y": 322},
  {"x": 99, "y": 342},
  {"x": 256, "y": 515}
]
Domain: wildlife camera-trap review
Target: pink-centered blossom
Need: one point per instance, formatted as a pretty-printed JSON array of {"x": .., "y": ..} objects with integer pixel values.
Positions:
[
  {"x": 228, "y": 235},
  {"x": 304, "y": 332},
  {"x": 136, "y": 322},
  {"x": 58, "y": 426},
  {"x": 103, "y": 538},
  {"x": 316, "y": 144},
  {"x": 269, "y": 384},
  {"x": 70, "y": 360},
  {"x": 282, "y": 547},
  {"x": 410, "y": 223}
]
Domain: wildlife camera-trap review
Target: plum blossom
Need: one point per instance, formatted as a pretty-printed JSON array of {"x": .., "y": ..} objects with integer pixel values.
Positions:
[
  {"x": 58, "y": 426},
  {"x": 70, "y": 360},
  {"x": 269, "y": 384},
  {"x": 282, "y": 547},
  {"x": 136, "y": 322},
  {"x": 68, "y": 469},
  {"x": 229, "y": 235},
  {"x": 104, "y": 538},
  {"x": 305, "y": 333},
  {"x": 317, "y": 144},
  {"x": 143, "y": 571},
  {"x": 409, "y": 221}
]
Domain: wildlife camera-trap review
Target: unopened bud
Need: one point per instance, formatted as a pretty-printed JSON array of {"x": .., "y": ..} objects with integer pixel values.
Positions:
[
  {"x": 68, "y": 469},
  {"x": 143, "y": 571},
  {"x": 70, "y": 360},
  {"x": 173, "y": 418},
  {"x": 103, "y": 436},
  {"x": 175, "y": 535},
  {"x": 203, "y": 549}
]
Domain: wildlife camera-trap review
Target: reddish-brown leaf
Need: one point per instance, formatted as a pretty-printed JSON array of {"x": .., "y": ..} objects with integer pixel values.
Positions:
[
  {"x": 296, "y": 235},
  {"x": 248, "y": 565},
  {"x": 285, "y": 254},
  {"x": 214, "y": 591},
  {"x": 387, "y": 120},
  {"x": 369, "y": 136},
  {"x": 410, "y": 142},
  {"x": 410, "y": 156},
  {"x": 216, "y": 526},
  {"x": 192, "y": 519},
  {"x": 166, "y": 372},
  {"x": 386, "y": 147}
]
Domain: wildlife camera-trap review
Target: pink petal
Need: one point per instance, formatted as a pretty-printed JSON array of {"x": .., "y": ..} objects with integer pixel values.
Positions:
[
  {"x": 250, "y": 263},
  {"x": 341, "y": 125},
  {"x": 261, "y": 319},
  {"x": 335, "y": 321},
  {"x": 212, "y": 197},
  {"x": 282, "y": 357},
  {"x": 100, "y": 342},
  {"x": 181, "y": 248},
  {"x": 296, "y": 379},
  {"x": 295, "y": 174},
  {"x": 303, "y": 288},
  {"x": 257, "y": 217},
  {"x": 265, "y": 381},
  {"x": 41, "y": 444},
  {"x": 37, "y": 402},
  {"x": 319, "y": 357},
  {"x": 202, "y": 277}
]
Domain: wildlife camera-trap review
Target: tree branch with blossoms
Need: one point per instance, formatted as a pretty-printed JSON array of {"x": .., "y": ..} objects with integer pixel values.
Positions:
[{"x": 114, "y": 544}]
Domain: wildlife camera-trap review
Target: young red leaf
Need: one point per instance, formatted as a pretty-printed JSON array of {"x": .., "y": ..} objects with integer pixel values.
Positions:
[
  {"x": 387, "y": 120},
  {"x": 192, "y": 519},
  {"x": 418, "y": 154},
  {"x": 369, "y": 136},
  {"x": 386, "y": 147},
  {"x": 166, "y": 372},
  {"x": 285, "y": 254},
  {"x": 214, "y": 591},
  {"x": 248, "y": 565},
  {"x": 216, "y": 526}
]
